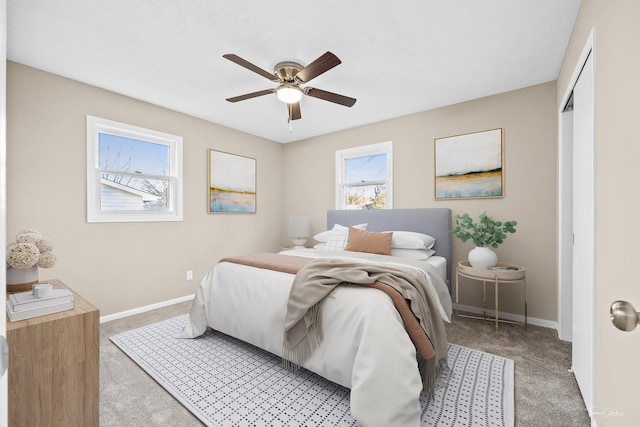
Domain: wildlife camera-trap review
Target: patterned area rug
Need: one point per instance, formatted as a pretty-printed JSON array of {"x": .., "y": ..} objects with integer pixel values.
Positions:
[{"x": 226, "y": 382}]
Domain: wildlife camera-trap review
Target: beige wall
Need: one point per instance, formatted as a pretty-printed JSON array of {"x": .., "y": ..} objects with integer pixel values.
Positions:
[
  {"x": 617, "y": 67},
  {"x": 121, "y": 266},
  {"x": 530, "y": 125}
]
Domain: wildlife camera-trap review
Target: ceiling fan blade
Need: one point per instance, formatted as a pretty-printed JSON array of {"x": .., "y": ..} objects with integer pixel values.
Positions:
[
  {"x": 317, "y": 67},
  {"x": 250, "y": 95},
  {"x": 294, "y": 111},
  {"x": 249, "y": 66},
  {"x": 330, "y": 96}
]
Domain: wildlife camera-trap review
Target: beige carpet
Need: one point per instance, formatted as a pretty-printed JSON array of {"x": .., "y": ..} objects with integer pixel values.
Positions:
[{"x": 545, "y": 392}]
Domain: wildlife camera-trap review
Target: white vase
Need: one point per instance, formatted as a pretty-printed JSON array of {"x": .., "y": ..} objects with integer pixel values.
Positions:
[
  {"x": 482, "y": 257},
  {"x": 21, "y": 279}
]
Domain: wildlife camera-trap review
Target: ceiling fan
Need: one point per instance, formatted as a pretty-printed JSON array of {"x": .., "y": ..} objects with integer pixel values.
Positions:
[{"x": 290, "y": 75}]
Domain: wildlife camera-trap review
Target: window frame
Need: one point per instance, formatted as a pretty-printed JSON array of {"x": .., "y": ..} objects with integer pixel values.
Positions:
[
  {"x": 362, "y": 151},
  {"x": 97, "y": 125}
]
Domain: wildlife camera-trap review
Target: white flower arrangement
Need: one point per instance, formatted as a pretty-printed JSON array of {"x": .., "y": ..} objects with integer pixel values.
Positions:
[{"x": 30, "y": 249}]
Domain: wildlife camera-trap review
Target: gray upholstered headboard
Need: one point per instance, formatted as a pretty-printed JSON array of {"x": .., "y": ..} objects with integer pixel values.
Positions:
[{"x": 435, "y": 222}]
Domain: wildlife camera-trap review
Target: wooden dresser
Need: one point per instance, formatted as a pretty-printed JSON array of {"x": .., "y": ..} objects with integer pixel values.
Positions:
[{"x": 54, "y": 367}]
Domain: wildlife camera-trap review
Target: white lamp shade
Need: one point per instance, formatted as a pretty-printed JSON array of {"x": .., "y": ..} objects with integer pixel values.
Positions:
[
  {"x": 299, "y": 229},
  {"x": 289, "y": 93}
]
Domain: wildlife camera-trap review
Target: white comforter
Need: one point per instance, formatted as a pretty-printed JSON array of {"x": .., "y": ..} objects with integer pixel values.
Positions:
[{"x": 364, "y": 346}]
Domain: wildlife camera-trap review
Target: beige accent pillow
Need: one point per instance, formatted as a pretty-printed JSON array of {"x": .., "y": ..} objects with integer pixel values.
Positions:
[{"x": 369, "y": 241}]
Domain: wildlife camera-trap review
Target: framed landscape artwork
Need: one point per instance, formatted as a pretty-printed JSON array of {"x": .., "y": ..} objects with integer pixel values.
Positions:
[
  {"x": 232, "y": 183},
  {"x": 469, "y": 165}
]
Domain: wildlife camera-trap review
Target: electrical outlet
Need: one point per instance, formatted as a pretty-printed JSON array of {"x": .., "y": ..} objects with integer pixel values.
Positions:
[{"x": 189, "y": 274}]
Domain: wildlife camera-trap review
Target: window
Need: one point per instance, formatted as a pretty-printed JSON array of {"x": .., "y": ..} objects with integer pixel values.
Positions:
[
  {"x": 133, "y": 174},
  {"x": 363, "y": 177}
]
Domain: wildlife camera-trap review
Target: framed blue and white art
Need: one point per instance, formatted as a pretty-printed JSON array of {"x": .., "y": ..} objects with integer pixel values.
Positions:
[
  {"x": 469, "y": 165},
  {"x": 232, "y": 183}
]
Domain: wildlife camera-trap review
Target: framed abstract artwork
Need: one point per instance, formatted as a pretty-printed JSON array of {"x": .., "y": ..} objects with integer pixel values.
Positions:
[
  {"x": 232, "y": 183},
  {"x": 469, "y": 165}
]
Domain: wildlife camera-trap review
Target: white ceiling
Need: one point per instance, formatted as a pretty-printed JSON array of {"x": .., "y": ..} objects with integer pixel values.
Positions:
[{"x": 398, "y": 56}]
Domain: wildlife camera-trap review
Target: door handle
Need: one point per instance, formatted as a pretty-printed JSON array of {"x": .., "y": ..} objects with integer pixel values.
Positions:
[{"x": 624, "y": 316}]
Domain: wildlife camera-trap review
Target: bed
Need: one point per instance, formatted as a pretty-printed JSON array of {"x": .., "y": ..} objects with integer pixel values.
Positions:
[{"x": 364, "y": 344}]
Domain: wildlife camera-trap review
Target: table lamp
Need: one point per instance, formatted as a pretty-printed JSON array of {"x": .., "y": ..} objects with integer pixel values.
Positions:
[{"x": 299, "y": 230}]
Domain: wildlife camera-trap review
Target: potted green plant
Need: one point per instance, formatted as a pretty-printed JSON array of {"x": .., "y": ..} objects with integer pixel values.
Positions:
[{"x": 485, "y": 233}]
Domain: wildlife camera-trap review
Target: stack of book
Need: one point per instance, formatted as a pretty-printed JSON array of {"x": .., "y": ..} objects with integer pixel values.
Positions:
[
  {"x": 503, "y": 268},
  {"x": 26, "y": 305}
]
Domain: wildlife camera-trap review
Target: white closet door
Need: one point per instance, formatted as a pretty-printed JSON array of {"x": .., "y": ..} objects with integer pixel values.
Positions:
[{"x": 584, "y": 232}]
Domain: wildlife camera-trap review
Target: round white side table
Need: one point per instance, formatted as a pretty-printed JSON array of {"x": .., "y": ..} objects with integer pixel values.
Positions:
[{"x": 501, "y": 273}]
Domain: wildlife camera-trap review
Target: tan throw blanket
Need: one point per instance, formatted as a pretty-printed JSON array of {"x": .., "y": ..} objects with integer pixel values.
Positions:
[
  {"x": 271, "y": 261},
  {"x": 319, "y": 277},
  {"x": 316, "y": 278}
]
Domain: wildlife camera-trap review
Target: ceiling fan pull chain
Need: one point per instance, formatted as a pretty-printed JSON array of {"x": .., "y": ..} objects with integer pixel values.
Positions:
[{"x": 290, "y": 125}]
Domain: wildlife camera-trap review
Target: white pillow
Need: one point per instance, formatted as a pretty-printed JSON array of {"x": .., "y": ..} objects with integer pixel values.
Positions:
[
  {"x": 339, "y": 235},
  {"x": 418, "y": 254},
  {"x": 411, "y": 240},
  {"x": 323, "y": 236}
]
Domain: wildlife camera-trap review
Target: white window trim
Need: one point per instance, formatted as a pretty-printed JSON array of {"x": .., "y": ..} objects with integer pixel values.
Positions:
[
  {"x": 365, "y": 150},
  {"x": 96, "y": 125}
]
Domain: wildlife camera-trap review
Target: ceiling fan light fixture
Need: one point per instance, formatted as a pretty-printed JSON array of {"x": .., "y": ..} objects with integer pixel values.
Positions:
[{"x": 289, "y": 93}]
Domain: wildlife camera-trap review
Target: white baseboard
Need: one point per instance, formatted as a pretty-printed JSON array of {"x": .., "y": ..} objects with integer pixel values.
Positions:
[
  {"x": 468, "y": 308},
  {"x": 509, "y": 316},
  {"x": 145, "y": 308}
]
